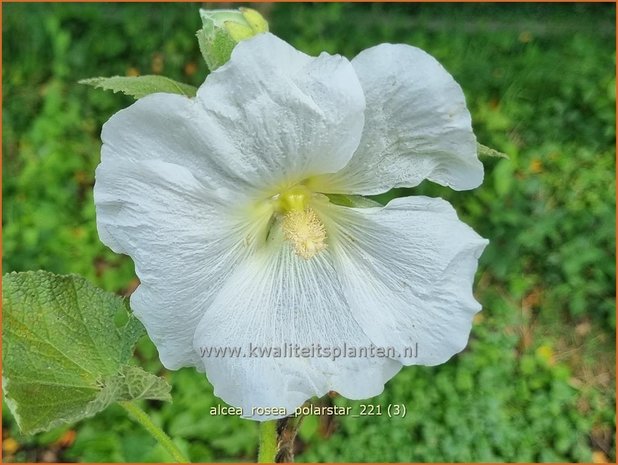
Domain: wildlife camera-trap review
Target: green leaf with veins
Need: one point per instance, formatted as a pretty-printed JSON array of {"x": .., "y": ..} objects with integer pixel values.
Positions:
[
  {"x": 140, "y": 86},
  {"x": 64, "y": 355}
]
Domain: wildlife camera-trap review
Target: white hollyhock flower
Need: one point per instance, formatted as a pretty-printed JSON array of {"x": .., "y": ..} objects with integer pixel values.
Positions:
[{"x": 220, "y": 202}]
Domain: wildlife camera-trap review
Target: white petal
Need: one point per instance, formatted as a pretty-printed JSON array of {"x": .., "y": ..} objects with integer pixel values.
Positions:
[
  {"x": 295, "y": 114},
  {"x": 182, "y": 244},
  {"x": 172, "y": 129},
  {"x": 271, "y": 116},
  {"x": 276, "y": 298},
  {"x": 417, "y": 126},
  {"x": 407, "y": 271}
]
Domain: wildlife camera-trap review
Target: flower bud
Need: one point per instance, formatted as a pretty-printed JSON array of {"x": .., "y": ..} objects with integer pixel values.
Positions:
[{"x": 223, "y": 29}]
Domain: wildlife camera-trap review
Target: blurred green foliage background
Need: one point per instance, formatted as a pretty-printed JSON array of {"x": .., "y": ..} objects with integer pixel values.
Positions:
[{"x": 537, "y": 381}]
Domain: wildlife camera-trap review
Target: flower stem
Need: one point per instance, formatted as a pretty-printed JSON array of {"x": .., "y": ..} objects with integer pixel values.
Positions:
[
  {"x": 286, "y": 434},
  {"x": 143, "y": 419},
  {"x": 268, "y": 442}
]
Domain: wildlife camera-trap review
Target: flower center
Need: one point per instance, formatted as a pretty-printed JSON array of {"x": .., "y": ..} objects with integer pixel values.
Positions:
[
  {"x": 305, "y": 232},
  {"x": 301, "y": 225}
]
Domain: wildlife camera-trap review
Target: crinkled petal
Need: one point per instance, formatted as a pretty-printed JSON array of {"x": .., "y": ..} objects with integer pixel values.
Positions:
[
  {"x": 407, "y": 271},
  {"x": 172, "y": 129},
  {"x": 417, "y": 126},
  {"x": 277, "y": 298},
  {"x": 270, "y": 117},
  {"x": 285, "y": 115},
  {"x": 182, "y": 243}
]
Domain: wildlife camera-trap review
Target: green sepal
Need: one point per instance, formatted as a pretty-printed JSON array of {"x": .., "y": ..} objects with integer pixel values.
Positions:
[
  {"x": 354, "y": 201},
  {"x": 484, "y": 151}
]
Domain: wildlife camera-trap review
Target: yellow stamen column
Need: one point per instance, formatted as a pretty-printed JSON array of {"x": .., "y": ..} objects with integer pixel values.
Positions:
[{"x": 301, "y": 225}]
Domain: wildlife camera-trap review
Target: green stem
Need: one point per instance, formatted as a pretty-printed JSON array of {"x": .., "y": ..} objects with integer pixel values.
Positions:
[
  {"x": 268, "y": 442},
  {"x": 143, "y": 419}
]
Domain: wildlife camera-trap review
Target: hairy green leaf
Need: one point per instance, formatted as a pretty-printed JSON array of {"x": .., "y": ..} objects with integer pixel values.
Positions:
[
  {"x": 64, "y": 356},
  {"x": 140, "y": 86}
]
